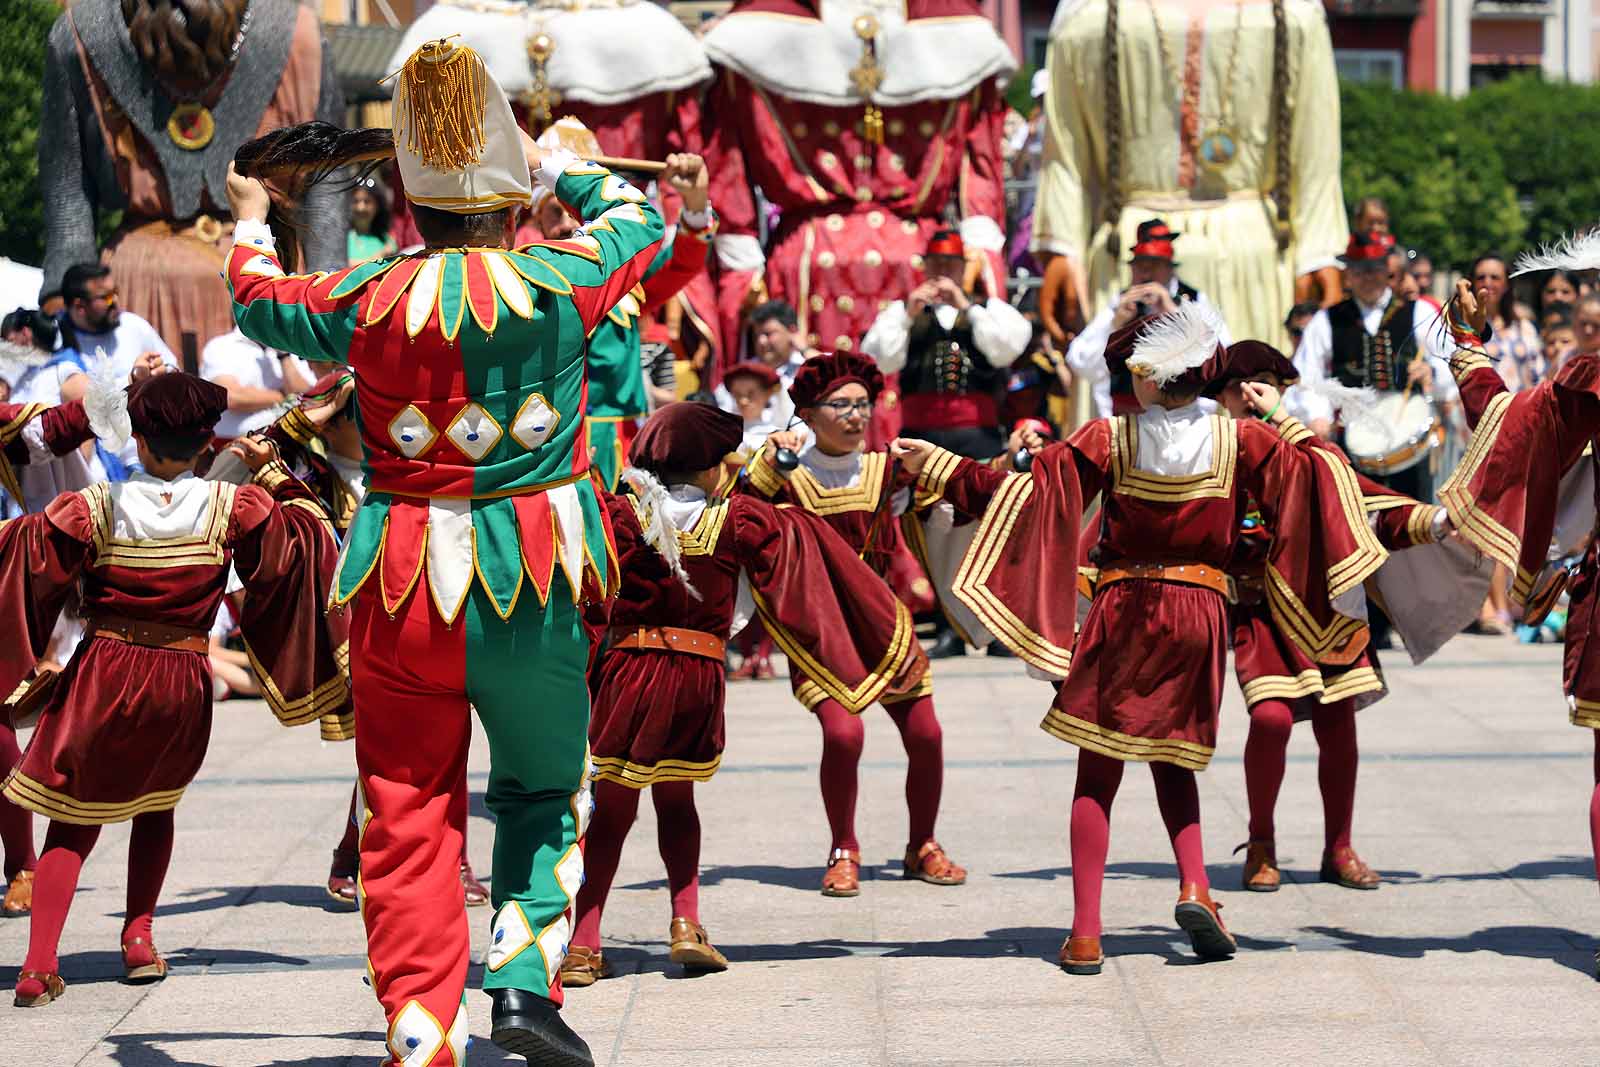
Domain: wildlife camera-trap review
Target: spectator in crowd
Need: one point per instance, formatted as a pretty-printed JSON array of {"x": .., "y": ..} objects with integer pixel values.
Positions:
[
  {"x": 1515, "y": 347},
  {"x": 1559, "y": 336},
  {"x": 1299, "y": 316},
  {"x": 1586, "y": 323},
  {"x": 1560, "y": 288},
  {"x": 44, "y": 373},
  {"x": 99, "y": 329},
  {"x": 1156, "y": 289},
  {"x": 1402, "y": 281},
  {"x": 257, "y": 379},
  {"x": 369, "y": 236},
  {"x": 775, "y": 328},
  {"x": 1371, "y": 216},
  {"x": 951, "y": 351},
  {"x": 1421, "y": 268}
]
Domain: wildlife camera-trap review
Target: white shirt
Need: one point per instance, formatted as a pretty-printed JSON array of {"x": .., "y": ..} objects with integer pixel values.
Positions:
[
  {"x": 131, "y": 338},
  {"x": 1086, "y": 354},
  {"x": 1175, "y": 441},
  {"x": 248, "y": 363},
  {"x": 1314, "y": 358},
  {"x": 999, "y": 332}
]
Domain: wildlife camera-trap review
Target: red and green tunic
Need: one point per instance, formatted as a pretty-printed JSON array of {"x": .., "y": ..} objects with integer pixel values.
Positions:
[
  {"x": 470, "y": 391},
  {"x": 618, "y": 401}
]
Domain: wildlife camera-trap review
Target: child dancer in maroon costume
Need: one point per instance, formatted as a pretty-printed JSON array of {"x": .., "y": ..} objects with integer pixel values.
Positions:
[
  {"x": 855, "y": 492},
  {"x": 1143, "y": 680},
  {"x": 1281, "y": 684},
  {"x": 658, "y": 687},
  {"x": 125, "y": 727}
]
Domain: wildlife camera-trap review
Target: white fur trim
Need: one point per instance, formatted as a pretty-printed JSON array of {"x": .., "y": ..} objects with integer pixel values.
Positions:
[
  {"x": 1177, "y": 342},
  {"x": 811, "y": 60},
  {"x": 604, "y": 53}
]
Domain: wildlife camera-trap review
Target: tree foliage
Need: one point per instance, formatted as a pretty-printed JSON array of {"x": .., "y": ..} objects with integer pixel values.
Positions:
[
  {"x": 1441, "y": 172},
  {"x": 24, "y": 25}
]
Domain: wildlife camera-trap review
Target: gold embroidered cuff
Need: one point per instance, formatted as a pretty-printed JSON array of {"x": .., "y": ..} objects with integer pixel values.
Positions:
[
  {"x": 763, "y": 475},
  {"x": 1294, "y": 431},
  {"x": 297, "y": 427},
  {"x": 1420, "y": 523},
  {"x": 272, "y": 476},
  {"x": 935, "y": 474},
  {"x": 1466, "y": 360}
]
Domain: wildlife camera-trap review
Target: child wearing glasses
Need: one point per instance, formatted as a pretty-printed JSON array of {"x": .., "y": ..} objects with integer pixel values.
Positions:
[{"x": 856, "y": 492}]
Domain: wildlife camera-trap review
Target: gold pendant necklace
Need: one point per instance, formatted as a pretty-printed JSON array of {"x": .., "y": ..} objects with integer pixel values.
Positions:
[{"x": 1218, "y": 146}]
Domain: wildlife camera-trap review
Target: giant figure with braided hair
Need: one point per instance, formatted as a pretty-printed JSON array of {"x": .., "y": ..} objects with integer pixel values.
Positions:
[
  {"x": 145, "y": 102},
  {"x": 1219, "y": 116}
]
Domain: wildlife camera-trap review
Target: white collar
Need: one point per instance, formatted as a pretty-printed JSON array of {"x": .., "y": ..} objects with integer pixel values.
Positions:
[
  {"x": 685, "y": 504},
  {"x": 1186, "y": 414},
  {"x": 1383, "y": 303},
  {"x": 816, "y": 458}
]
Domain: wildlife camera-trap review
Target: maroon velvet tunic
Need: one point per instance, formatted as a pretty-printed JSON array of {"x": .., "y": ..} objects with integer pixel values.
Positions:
[
  {"x": 658, "y": 716},
  {"x": 126, "y": 726},
  {"x": 1144, "y": 675}
]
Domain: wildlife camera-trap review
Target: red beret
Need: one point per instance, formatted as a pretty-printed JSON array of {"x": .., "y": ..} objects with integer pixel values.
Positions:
[
  {"x": 946, "y": 243},
  {"x": 175, "y": 404},
  {"x": 821, "y": 375},
  {"x": 752, "y": 368},
  {"x": 1245, "y": 360},
  {"x": 686, "y": 437},
  {"x": 1119, "y": 346}
]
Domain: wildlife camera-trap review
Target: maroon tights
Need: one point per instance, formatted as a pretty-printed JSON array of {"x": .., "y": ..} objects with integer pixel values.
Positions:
[
  {"x": 16, "y": 824},
  {"x": 842, "y": 737},
  {"x": 1266, "y": 749},
  {"x": 1098, "y": 779},
  {"x": 66, "y": 846},
  {"x": 677, "y": 836}
]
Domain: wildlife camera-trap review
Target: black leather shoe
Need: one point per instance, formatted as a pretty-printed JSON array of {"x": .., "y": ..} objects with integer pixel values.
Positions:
[
  {"x": 528, "y": 1025},
  {"x": 998, "y": 650},
  {"x": 946, "y": 645}
]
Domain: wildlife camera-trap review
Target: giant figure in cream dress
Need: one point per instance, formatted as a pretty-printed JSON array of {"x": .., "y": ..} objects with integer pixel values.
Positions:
[{"x": 1221, "y": 118}]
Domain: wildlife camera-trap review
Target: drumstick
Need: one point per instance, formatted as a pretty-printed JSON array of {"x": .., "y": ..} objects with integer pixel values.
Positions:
[{"x": 1405, "y": 394}]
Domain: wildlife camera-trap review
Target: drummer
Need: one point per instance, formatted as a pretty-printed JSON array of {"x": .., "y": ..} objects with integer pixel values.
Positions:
[{"x": 1372, "y": 339}]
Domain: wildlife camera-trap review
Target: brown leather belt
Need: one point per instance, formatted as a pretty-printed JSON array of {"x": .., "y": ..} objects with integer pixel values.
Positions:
[
  {"x": 669, "y": 639},
  {"x": 149, "y": 634},
  {"x": 1200, "y": 574}
]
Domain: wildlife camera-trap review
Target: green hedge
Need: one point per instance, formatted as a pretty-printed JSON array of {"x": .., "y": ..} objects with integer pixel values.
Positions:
[{"x": 23, "y": 28}]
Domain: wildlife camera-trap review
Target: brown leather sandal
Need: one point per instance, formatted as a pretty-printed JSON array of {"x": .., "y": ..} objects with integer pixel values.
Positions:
[
  {"x": 1343, "y": 867},
  {"x": 134, "y": 965},
  {"x": 19, "y": 896},
  {"x": 1261, "y": 874},
  {"x": 54, "y": 987},
  {"x": 843, "y": 876},
  {"x": 692, "y": 948},
  {"x": 583, "y": 967},
  {"x": 1082, "y": 955},
  {"x": 342, "y": 878},
  {"x": 475, "y": 892},
  {"x": 930, "y": 864}
]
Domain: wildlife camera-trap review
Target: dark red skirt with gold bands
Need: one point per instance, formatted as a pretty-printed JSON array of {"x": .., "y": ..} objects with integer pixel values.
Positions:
[
  {"x": 656, "y": 717},
  {"x": 1269, "y": 666},
  {"x": 1147, "y": 674},
  {"x": 124, "y": 732}
]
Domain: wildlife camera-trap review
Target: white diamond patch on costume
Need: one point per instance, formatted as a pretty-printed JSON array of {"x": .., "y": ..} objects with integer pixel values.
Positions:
[
  {"x": 569, "y": 872},
  {"x": 411, "y": 432},
  {"x": 460, "y": 1033},
  {"x": 474, "y": 431},
  {"x": 553, "y": 946},
  {"x": 536, "y": 420},
  {"x": 416, "y": 1036},
  {"x": 508, "y": 936},
  {"x": 583, "y": 808},
  {"x": 261, "y": 267},
  {"x": 569, "y": 525},
  {"x": 449, "y": 554}
]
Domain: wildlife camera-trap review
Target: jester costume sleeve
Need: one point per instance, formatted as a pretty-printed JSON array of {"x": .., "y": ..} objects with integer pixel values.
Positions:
[
  {"x": 1143, "y": 679},
  {"x": 1508, "y": 494},
  {"x": 618, "y": 402},
  {"x": 125, "y": 727}
]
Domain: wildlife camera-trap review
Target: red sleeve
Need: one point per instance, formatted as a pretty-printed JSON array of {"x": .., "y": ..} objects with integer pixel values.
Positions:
[
  {"x": 41, "y": 557},
  {"x": 689, "y": 249},
  {"x": 983, "y": 166}
]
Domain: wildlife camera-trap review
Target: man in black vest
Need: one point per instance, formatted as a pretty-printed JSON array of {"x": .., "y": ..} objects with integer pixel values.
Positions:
[
  {"x": 1371, "y": 340},
  {"x": 1154, "y": 289},
  {"x": 951, "y": 350}
]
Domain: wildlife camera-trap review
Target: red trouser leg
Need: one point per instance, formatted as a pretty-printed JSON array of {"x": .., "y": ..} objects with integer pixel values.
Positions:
[
  {"x": 1179, "y": 799},
  {"x": 149, "y": 853},
  {"x": 413, "y": 726},
  {"x": 459, "y": 808},
  {"x": 842, "y": 738},
  {"x": 1265, "y": 750},
  {"x": 678, "y": 838},
  {"x": 1338, "y": 758},
  {"x": 923, "y": 739},
  {"x": 16, "y": 824},
  {"x": 66, "y": 846},
  {"x": 1098, "y": 779},
  {"x": 615, "y": 807}
]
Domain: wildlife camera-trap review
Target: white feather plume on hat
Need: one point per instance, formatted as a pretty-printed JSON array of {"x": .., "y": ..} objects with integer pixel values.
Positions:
[
  {"x": 656, "y": 525},
  {"x": 106, "y": 404},
  {"x": 1576, "y": 251},
  {"x": 1177, "y": 342},
  {"x": 1349, "y": 401}
]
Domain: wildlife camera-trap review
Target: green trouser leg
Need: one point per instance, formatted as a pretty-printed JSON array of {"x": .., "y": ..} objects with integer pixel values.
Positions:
[
  {"x": 606, "y": 451},
  {"x": 526, "y": 677}
]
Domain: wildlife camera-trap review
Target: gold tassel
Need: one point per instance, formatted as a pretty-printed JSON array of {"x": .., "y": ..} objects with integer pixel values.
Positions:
[{"x": 442, "y": 97}]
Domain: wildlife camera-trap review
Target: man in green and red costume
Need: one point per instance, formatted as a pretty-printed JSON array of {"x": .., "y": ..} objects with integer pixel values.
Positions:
[
  {"x": 618, "y": 401},
  {"x": 478, "y": 542}
]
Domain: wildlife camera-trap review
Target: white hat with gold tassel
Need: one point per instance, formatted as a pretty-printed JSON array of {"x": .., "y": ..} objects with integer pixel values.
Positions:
[{"x": 456, "y": 140}]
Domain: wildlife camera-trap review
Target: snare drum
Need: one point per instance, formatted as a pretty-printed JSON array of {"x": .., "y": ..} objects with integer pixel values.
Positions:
[{"x": 1395, "y": 435}]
